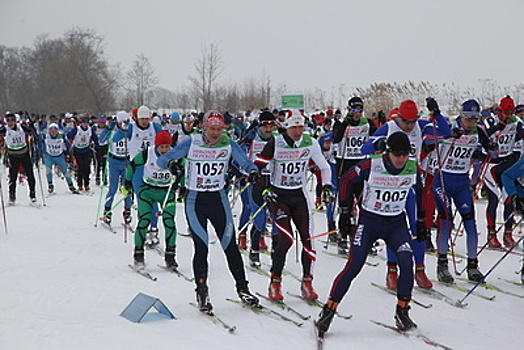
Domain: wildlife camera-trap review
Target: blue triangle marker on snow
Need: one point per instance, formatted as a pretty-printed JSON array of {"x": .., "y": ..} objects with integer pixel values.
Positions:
[{"x": 141, "y": 304}]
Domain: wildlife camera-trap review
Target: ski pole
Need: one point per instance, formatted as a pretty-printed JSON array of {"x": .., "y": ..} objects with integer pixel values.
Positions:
[
  {"x": 252, "y": 217},
  {"x": 159, "y": 213},
  {"x": 113, "y": 207},
  {"x": 41, "y": 185},
  {"x": 3, "y": 208},
  {"x": 233, "y": 201},
  {"x": 104, "y": 175},
  {"x": 323, "y": 234},
  {"x": 492, "y": 268},
  {"x": 487, "y": 241}
]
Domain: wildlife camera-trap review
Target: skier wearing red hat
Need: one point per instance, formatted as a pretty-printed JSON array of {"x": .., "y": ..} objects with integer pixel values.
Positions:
[
  {"x": 408, "y": 122},
  {"x": 507, "y": 130},
  {"x": 156, "y": 187}
]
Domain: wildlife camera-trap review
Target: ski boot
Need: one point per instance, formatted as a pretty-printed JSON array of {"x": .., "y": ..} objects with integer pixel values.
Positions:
[
  {"x": 32, "y": 196},
  {"x": 202, "y": 296},
  {"x": 107, "y": 215},
  {"x": 181, "y": 195},
  {"x": 493, "y": 242},
  {"x": 12, "y": 199},
  {"x": 254, "y": 258},
  {"x": 242, "y": 238},
  {"x": 97, "y": 181},
  {"x": 169, "y": 258},
  {"x": 73, "y": 190},
  {"x": 152, "y": 240},
  {"x": 443, "y": 274},
  {"x": 261, "y": 242},
  {"x": 138, "y": 258},
  {"x": 402, "y": 319},
  {"x": 343, "y": 247},
  {"x": 127, "y": 216},
  {"x": 307, "y": 288},
  {"x": 50, "y": 188},
  {"x": 275, "y": 291},
  {"x": 245, "y": 295},
  {"x": 430, "y": 248},
  {"x": 392, "y": 276},
  {"x": 508, "y": 238},
  {"x": 326, "y": 317},
  {"x": 473, "y": 272},
  {"x": 421, "y": 278}
]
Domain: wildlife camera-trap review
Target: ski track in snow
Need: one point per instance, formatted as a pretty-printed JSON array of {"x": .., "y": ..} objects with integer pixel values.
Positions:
[{"x": 65, "y": 283}]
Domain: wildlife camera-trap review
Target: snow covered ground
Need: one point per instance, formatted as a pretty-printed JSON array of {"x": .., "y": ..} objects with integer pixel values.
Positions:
[{"x": 65, "y": 282}]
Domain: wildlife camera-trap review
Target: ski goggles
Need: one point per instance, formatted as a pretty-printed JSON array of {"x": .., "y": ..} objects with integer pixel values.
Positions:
[
  {"x": 356, "y": 110},
  {"x": 400, "y": 153},
  {"x": 408, "y": 121}
]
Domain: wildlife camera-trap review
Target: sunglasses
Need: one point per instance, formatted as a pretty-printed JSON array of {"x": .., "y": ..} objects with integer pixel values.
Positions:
[
  {"x": 409, "y": 121},
  {"x": 268, "y": 123},
  {"x": 400, "y": 153},
  {"x": 356, "y": 110},
  {"x": 10, "y": 119}
]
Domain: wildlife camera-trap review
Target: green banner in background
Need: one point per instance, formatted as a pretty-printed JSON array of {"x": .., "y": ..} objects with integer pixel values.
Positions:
[{"x": 293, "y": 101}]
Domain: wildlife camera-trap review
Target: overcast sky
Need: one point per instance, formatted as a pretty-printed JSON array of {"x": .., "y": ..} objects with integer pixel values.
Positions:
[{"x": 304, "y": 43}]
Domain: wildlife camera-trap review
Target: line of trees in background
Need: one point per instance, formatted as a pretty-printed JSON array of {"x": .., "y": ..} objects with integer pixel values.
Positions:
[{"x": 72, "y": 73}]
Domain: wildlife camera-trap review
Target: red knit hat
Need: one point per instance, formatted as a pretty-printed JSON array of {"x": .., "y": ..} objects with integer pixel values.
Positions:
[
  {"x": 408, "y": 110},
  {"x": 507, "y": 104},
  {"x": 163, "y": 138}
]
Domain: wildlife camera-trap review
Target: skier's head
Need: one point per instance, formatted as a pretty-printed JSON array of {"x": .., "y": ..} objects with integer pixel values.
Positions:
[
  {"x": 53, "y": 129},
  {"x": 214, "y": 126},
  {"x": 355, "y": 107},
  {"x": 295, "y": 124},
  {"x": 122, "y": 118},
  {"x": 506, "y": 108},
  {"x": 163, "y": 142},
  {"x": 398, "y": 148},
  {"x": 407, "y": 115},
  {"x": 469, "y": 114},
  {"x": 143, "y": 116},
  {"x": 266, "y": 122}
]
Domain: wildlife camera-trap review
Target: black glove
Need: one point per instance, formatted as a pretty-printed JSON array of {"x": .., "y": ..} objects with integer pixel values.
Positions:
[
  {"x": 174, "y": 168},
  {"x": 432, "y": 105},
  {"x": 428, "y": 147},
  {"x": 380, "y": 145},
  {"x": 269, "y": 196},
  {"x": 500, "y": 126},
  {"x": 313, "y": 169},
  {"x": 327, "y": 194},
  {"x": 253, "y": 176},
  {"x": 518, "y": 203},
  {"x": 422, "y": 231},
  {"x": 492, "y": 145},
  {"x": 456, "y": 133}
]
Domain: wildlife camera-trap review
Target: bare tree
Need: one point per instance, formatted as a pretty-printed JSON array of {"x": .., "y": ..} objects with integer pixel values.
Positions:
[
  {"x": 208, "y": 68},
  {"x": 141, "y": 79}
]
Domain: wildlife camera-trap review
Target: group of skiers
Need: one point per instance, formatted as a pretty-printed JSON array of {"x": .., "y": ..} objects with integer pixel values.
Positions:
[{"x": 380, "y": 174}]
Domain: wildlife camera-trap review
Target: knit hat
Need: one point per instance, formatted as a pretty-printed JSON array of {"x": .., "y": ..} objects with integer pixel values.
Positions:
[
  {"x": 53, "y": 126},
  {"x": 355, "y": 102},
  {"x": 507, "y": 104},
  {"x": 398, "y": 142},
  {"x": 408, "y": 110},
  {"x": 470, "y": 109},
  {"x": 143, "y": 112},
  {"x": 266, "y": 116},
  {"x": 163, "y": 138},
  {"x": 294, "y": 118},
  {"x": 122, "y": 117},
  {"x": 519, "y": 109},
  {"x": 213, "y": 118}
]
